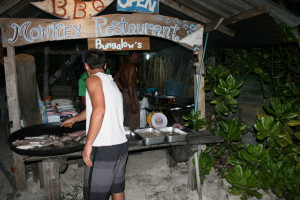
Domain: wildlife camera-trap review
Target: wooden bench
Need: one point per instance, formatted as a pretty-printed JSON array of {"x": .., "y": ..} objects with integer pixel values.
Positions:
[{"x": 47, "y": 168}]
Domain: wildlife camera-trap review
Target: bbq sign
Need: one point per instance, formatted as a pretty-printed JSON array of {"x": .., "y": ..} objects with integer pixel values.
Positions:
[
  {"x": 73, "y": 9},
  {"x": 150, "y": 6},
  {"x": 18, "y": 32}
]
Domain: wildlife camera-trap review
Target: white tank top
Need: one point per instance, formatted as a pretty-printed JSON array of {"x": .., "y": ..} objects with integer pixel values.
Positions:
[{"x": 112, "y": 131}]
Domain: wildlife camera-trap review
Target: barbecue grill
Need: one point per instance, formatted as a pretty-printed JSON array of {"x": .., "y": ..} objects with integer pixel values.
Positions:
[{"x": 46, "y": 129}]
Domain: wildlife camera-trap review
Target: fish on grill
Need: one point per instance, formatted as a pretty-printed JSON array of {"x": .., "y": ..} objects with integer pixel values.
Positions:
[{"x": 51, "y": 141}]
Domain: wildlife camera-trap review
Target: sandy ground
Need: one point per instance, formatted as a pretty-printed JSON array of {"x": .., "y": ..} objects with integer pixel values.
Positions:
[{"x": 148, "y": 177}]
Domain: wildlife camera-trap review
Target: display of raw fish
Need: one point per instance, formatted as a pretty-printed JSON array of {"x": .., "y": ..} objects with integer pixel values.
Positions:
[
  {"x": 58, "y": 144},
  {"x": 77, "y": 133},
  {"x": 57, "y": 141},
  {"x": 65, "y": 138}
]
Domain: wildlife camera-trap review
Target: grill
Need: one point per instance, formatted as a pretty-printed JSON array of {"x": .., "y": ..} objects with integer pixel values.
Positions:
[{"x": 46, "y": 129}]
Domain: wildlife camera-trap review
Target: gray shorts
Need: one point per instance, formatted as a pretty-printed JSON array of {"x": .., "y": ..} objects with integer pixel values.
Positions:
[{"x": 107, "y": 175}]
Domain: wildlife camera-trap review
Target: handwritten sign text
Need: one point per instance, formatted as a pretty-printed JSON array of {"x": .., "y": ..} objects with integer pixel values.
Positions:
[
  {"x": 17, "y": 32},
  {"x": 54, "y": 30},
  {"x": 119, "y": 44},
  {"x": 123, "y": 27},
  {"x": 73, "y": 9},
  {"x": 138, "y": 6}
]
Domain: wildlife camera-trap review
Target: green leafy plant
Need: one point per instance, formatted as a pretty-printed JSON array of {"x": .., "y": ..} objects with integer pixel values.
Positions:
[
  {"x": 194, "y": 120},
  {"x": 212, "y": 76},
  {"x": 243, "y": 183},
  {"x": 231, "y": 131},
  {"x": 274, "y": 163},
  {"x": 277, "y": 129},
  {"x": 281, "y": 175},
  {"x": 252, "y": 157},
  {"x": 240, "y": 62},
  {"x": 226, "y": 93},
  {"x": 205, "y": 165},
  {"x": 291, "y": 90},
  {"x": 277, "y": 173},
  {"x": 267, "y": 127},
  {"x": 289, "y": 33}
]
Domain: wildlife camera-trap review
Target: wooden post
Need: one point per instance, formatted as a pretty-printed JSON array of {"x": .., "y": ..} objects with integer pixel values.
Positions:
[
  {"x": 14, "y": 112},
  {"x": 52, "y": 188},
  {"x": 41, "y": 174},
  {"x": 46, "y": 73},
  {"x": 199, "y": 187},
  {"x": 191, "y": 174},
  {"x": 201, "y": 107},
  {"x": 27, "y": 89},
  {"x": 170, "y": 161},
  {"x": 35, "y": 171},
  {"x": 201, "y": 98}
]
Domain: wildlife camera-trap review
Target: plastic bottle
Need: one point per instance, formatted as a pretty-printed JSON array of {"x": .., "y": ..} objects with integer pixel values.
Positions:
[{"x": 43, "y": 111}]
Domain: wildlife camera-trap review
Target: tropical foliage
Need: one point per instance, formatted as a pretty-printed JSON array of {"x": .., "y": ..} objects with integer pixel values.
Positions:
[{"x": 274, "y": 162}]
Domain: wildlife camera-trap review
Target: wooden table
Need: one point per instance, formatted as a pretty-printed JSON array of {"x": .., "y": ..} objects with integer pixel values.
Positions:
[{"x": 47, "y": 168}]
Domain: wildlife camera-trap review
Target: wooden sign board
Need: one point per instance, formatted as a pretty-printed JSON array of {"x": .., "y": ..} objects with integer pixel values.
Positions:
[
  {"x": 18, "y": 32},
  {"x": 150, "y": 6},
  {"x": 119, "y": 44},
  {"x": 73, "y": 9}
]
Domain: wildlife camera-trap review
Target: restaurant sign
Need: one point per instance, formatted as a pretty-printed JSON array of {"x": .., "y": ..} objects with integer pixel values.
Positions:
[
  {"x": 72, "y": 9},
  {"x": 150, "y": 6},
  {"x": 18, "y": 32},
  {"x": 119, "y": 44}
]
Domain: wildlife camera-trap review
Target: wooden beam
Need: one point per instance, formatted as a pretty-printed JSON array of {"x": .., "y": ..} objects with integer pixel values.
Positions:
[
  {"x": 239, "y": 17},
  {"x": 214, "y": 25},
  {"x": 6, "y": 5},
  {"x": 219, "y": 23},
  {"x": 12, "y": 89},
  {"x": 246, "y": 15},
  {"x": 87, "y": 28},
  {"x": 195, "y": 15},
  {"x": 224, "y": 30},
  {"x": 185, "y": 10},
  {"x": 14, "y": 112}
]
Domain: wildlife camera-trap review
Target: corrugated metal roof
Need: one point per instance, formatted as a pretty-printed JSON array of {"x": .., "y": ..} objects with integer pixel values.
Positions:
[
  {"x": 215, "y": 9},
  {"x": 259, "y": 30}
]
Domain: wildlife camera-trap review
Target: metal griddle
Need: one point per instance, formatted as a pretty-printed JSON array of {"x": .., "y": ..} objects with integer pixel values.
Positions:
[{"x": 46, "y": 129}]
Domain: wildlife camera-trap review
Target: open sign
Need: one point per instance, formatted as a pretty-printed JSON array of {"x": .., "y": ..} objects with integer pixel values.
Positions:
[{"x": 150, "y": 6}]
